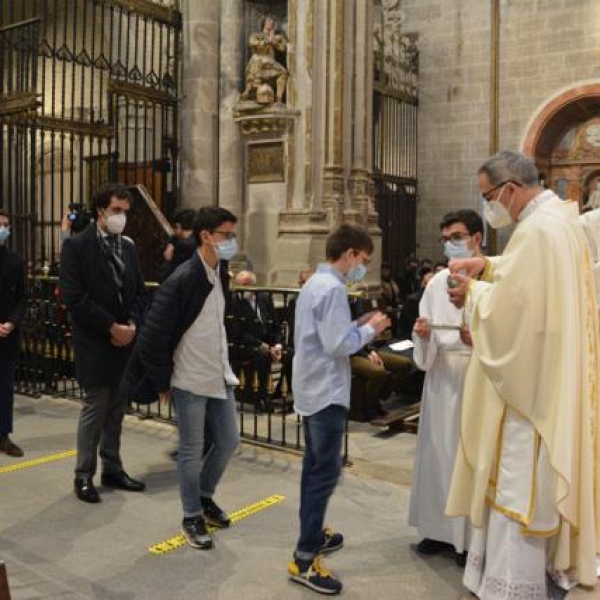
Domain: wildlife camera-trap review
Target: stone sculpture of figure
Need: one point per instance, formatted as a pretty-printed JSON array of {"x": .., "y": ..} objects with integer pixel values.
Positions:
[
  {"x": 262, "y": 69},
  {"x": 594, "y": 199}
]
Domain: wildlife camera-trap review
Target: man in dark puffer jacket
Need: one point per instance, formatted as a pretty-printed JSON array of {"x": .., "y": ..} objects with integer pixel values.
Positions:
[{"x": 182, "y": 349}]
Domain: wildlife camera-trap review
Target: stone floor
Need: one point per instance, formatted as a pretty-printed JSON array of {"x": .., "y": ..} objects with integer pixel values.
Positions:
[{"x": 56, "y": 547}]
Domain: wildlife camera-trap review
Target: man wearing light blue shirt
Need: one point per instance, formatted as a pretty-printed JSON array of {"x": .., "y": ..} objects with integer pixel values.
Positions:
[{"x": 325, "y": 337}]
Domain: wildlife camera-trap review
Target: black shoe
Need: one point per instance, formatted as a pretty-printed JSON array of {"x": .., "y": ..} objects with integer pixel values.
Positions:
[
  {"x": 461, "y": 559},
  {"x": 85, "y": 491},
  {"x": 213, "y": 514},
  {"x": 195, "y": 532},
  {"x": 122, "y": 481},
  {"x": 429, "y": 547}
]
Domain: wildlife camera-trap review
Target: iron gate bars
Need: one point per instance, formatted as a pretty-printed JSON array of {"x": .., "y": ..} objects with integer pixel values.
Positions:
[{"x": 89, "y": 92}]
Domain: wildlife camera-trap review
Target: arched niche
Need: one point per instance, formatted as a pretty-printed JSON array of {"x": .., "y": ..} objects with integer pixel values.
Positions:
[{"x": 564, "y": 140}]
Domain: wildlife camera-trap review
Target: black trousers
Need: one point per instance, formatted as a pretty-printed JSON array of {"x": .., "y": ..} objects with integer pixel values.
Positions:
[{"x": 7, "y": 394}]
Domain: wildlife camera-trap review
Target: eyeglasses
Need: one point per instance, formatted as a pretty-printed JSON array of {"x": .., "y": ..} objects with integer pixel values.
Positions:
[
  {"x": 486, "y": 195},
  {"x": 454, "y": 237},
  {"x": 228, "y": 235}
]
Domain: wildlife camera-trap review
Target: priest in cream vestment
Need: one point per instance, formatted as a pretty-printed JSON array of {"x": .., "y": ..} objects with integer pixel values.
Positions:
[
  {"x": 526, "y": 471},
  {"x": 443, "y": 354}
]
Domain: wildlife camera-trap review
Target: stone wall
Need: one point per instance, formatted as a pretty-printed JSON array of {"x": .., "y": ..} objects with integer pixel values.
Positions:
[{"x": 546, "y": 47}]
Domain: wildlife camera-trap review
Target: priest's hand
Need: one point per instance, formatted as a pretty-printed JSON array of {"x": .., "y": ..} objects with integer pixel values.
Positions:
[
  {"x": 473, "y": 267},
  {"x": 458, "y": 287},
  {"x": 421, "y": 328}
]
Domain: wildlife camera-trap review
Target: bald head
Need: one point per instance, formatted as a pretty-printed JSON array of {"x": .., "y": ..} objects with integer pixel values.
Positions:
[{"x": 245, "y": 278}]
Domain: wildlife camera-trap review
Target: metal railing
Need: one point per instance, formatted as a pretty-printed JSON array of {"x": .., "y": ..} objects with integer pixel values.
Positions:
[{"x": 46, "y": 366}]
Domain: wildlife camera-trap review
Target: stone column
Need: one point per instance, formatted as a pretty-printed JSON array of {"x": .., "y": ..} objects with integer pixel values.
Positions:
[
  {"x": 231, "y": 156},
  {"x": 337, "y": 45},
  {"x": 360, "y": 184},
  {"x": 199, "y": 111}
]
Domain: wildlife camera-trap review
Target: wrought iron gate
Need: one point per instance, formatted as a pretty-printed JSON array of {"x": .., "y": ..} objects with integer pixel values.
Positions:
[
  {"x": 395, "y": 140},
  {"x": 88, "y": 93}
]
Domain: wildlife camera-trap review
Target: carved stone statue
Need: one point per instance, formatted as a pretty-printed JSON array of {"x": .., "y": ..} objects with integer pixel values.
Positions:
[{"x": 263, "y": 70}]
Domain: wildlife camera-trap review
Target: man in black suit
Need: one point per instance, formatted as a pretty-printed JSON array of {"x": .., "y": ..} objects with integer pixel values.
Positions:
[
  {"x": 12, "y": 309},
  {"x": 254, "y": 335},
  {"x": 103, "y": 288}
]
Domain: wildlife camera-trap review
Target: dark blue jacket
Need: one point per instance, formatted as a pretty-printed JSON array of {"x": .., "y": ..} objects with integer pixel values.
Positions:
[{"x": 175, "y": 306}]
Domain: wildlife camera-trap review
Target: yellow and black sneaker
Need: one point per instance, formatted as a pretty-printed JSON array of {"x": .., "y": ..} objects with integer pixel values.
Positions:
[
  {"x": 314, "y": 575},
  {"x": 332, "y": 541}
]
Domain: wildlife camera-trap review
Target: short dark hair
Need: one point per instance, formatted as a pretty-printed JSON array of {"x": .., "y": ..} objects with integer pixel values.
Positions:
[
  {"x": 186, "y": 218},
  {"x": 3, "y": 213},
  {"x": 469, "y": 218},
  {"x": 107, "y": 191},
  {"x": 347, "y": 236},
  {"x": 209, "y": 218}
]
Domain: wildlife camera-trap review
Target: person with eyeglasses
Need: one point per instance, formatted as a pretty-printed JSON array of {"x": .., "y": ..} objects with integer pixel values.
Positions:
[
  {"x": 183, "y": 351},
  {"x": 526, "y": 471},
  {"x": 442, "y": 350}
]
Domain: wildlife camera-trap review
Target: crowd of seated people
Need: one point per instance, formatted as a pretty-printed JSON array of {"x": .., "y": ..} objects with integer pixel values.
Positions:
[{"x": 255, "y": 338}]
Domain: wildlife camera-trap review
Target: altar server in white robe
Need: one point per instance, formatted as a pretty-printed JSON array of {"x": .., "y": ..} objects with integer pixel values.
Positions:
[
  {"x": 440, "y": 351},
  {"x": 527, "y": 468}
]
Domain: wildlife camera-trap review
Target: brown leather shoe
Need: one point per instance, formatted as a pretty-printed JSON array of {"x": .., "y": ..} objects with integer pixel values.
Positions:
[{"x": 9, "y": 447}]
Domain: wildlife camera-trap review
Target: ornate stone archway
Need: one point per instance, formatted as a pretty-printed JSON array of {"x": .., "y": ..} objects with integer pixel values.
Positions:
[{"x": 564, "y": 140}]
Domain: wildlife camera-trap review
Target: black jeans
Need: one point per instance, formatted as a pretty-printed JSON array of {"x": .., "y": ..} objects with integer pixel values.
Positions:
[
  {"x": 321, "y": 467},
  {"x": 7, "y": 394}
]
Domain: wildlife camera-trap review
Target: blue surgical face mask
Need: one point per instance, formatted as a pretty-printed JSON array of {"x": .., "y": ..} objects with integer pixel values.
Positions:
[
  {"x": 457, "y": 249},
  {"x": 227, "y": 249},
  {"x": 357, "y": 273},
  {"x": 4, "y": 233}
]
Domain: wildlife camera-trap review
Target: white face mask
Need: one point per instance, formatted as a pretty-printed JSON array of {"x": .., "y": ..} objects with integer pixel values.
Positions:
[
  {"x": 116, "y": 223},
  {"x": 496, "y": 214}
]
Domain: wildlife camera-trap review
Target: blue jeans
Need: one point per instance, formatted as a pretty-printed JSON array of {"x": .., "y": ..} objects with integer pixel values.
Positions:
[
  {"x": 321, "y": 467},
  {"x": 198, "y": 476}
]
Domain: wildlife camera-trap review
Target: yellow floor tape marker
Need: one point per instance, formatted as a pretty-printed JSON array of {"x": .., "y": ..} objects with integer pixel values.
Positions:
[
  {"x": 37, "y": 461},
  {"x": 179, "y": 541}
]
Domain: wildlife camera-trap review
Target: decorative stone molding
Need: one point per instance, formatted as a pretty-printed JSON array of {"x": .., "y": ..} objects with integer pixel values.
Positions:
[
  {"x": 255, "y": 119},
  {"x": 309, "y": 222}
]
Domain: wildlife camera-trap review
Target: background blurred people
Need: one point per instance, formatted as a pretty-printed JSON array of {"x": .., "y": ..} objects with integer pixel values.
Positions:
[
  {"x": 182, "y": 245},
  {"x": 255, "y": 337},
  {"x": 12, "y": 311},
  {"x": 410, "y": 308}
]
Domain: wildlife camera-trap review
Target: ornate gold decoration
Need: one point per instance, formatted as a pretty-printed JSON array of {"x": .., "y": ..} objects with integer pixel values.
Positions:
[
  {"x": 159, "y": 12},
  {"x": 22, "y": 103},
  {"x": 141, "y": 92},
  {"x": 266, "y": 162},
  {"x": 74, "y": 127}
]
